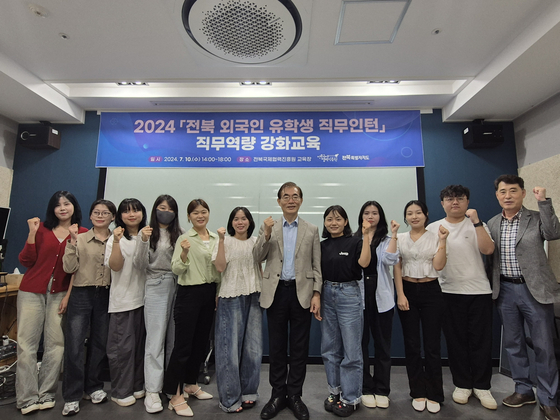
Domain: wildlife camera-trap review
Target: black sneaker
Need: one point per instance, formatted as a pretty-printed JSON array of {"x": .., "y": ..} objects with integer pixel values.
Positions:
[
  {"x": 331, "y": 401},
  {"x": 344, "y": 410}
]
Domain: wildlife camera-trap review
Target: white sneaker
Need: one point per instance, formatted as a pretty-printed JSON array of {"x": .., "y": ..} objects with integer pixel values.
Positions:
[
  {"x": 461, "y": 395},
  {"x": 368, "y": 401},
  {"x": 124, "y": 402},
  {"x": 71, "y": 408},
  {"x": 419, "y": 405},
  {"x": 433, "y": 407},
  {"x": 139, "y": 394},
  {"x": 382, "y": 401},
  {"x": 96, "y": 397},
  {"x": 486, "y": 398},
  {"x": 152, "y": 402}
]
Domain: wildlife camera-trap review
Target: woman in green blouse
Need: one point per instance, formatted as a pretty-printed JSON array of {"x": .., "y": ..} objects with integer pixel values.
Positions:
[{"x": 194, "y": 308}]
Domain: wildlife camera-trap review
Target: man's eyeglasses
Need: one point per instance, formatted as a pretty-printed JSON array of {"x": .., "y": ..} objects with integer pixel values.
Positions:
[
  {"x": 452, "y": 199},
  {"x": 286, "y": 198}
]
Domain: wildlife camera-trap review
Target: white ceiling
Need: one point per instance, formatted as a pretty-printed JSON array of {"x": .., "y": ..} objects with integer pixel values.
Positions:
[{"x": 493, "y": 59}]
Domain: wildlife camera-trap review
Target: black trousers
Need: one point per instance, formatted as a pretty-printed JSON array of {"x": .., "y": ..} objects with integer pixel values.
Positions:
[
  {"x": 468, "y": 331},
  {"x": 288, "y": 323},
  {"x": 381, "y": 327},
  {"x": 193, "y": 315},
  {"x": 422, "y": 322}
]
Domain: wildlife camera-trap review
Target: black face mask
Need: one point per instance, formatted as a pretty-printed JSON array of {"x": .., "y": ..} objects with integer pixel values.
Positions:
[{"x": 165, "y": 217}]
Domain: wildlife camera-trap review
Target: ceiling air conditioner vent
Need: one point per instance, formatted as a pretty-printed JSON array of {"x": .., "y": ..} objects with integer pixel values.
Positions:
[{"x": 243, "y": 31}]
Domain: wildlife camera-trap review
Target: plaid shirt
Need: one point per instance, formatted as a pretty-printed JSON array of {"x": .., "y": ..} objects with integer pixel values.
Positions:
[{"x": 509, "y": 266}]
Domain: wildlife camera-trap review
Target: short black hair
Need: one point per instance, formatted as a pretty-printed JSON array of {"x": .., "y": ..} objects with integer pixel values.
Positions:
[
  {"x": 509, "y": 179},
  {"x": 422, "y": 206},
  {"x": 340, "y": 210},
  {"x": 454, "y": 191},
  {"x": 51, "y": 221},
  {"x": 109, "y": 204},
  {"x": 289, "y": 185},
  {"x": 127, "y": 204},
  {"x": 249, "y": 217}
]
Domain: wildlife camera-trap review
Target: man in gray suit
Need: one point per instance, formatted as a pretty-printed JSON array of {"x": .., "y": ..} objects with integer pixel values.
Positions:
[
  {"x": 525, "y": 288},
  {"x": 291, "y": 290}
]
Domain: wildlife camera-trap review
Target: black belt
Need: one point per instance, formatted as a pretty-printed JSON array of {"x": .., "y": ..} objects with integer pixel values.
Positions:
[
  {"x": 287, "y": 283},
  {"x": 514, "y": 280}
]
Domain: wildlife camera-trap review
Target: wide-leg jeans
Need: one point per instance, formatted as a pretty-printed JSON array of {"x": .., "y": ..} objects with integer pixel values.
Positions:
[
  {"x": 87, "y": 311},
  {"x": 341, "y": 339},
  {"x": 239, "y": 350},
  {"x": 160, "y": 328},
  {"x": 37, "y": 314}
]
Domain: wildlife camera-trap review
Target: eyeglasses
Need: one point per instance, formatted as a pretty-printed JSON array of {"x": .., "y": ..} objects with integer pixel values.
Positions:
[
  {"x": 286, "y": 198},
  {"x": 101, "y": 213},
  {"x": 452, "y": 199}
]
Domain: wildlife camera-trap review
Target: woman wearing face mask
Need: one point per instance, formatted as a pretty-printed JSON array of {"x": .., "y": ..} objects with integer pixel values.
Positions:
[
  {"x": 161, "y": 285},
  {"x": 88, "y": 309},
  {"x": 194, "y": 308},
  {"x": 420, "y": 304},
  {"x": 42, "y": 299},
  {"x": 239, "y": 315},
  {"x": 379, "y": 298}
]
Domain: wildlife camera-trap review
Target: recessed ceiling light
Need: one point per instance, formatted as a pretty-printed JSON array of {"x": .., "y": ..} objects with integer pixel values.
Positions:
[
  {"x": 132, "y": 84},
  {"x": 38, "y": 10},
  {"x": 383, "y": 81},
  {"x": 260, "y": 83}
]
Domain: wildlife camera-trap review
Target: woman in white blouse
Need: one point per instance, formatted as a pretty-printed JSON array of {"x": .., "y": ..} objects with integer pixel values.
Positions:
[
  {"x": 420, "y": 302},
  {"x": 238, "y": 326}
]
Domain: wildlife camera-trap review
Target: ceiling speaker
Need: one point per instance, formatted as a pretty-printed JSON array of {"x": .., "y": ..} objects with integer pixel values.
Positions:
[{"x": 243, "y": 31}]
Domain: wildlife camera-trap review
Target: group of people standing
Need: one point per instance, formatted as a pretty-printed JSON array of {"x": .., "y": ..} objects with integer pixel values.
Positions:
[{"x": 161, "y": 286}]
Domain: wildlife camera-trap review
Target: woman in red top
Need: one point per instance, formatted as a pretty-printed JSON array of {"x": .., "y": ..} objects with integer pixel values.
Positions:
[{"x": 42, "y": 299}]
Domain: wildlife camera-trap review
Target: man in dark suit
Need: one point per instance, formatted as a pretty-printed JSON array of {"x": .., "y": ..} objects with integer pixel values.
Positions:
[
  {"x": 291, "y": 290},
  {"x": 525, "y": 288}
]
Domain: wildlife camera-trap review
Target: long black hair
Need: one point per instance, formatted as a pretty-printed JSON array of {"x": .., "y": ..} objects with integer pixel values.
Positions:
[
  {"x": 340, "y": 210},
  {"x": 51, "y": 221},
  {"x": 382, "y": 228},
  {"x": 126, "y": 205},
  {"x": 174, "y": 229},
  {"x": 249, "y": 217}
]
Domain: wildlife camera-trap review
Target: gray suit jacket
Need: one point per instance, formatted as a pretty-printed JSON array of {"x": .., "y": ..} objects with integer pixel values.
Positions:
[
  {"x": 307, "y": 262},
  {"x": 534, "y": 228}
]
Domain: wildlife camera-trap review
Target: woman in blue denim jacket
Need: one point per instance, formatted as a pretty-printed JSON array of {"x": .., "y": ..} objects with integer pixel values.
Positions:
[{"x": 379, "y": 302}]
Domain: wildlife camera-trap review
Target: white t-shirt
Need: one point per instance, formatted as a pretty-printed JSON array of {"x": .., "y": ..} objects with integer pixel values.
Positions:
[
  {"x": 127, "y": 285},
  {"x": 242, "y": 275},
  {"x": 464, "y": 272},
  {"x": 417, "y": 256}
]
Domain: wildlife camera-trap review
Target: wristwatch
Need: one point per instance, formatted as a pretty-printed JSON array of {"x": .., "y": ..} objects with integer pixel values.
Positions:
[{"x": 478, "y": 224}]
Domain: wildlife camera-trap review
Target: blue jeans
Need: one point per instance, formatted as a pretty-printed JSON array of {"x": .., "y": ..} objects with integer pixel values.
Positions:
[
  {"x": 238, "y": 350},
  {"x": 87, "y": 311},
  {"x": 341, "y": 342},
  {"x": 516, "y": 306},
  {"x": 160, "y": 328}
]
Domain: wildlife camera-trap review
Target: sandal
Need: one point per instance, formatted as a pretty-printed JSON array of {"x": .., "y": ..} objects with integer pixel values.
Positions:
[
  {"x": 183, "y": 411},
  {"x": 199, "y": 394},
  {"x": 248, "y": 404}
]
